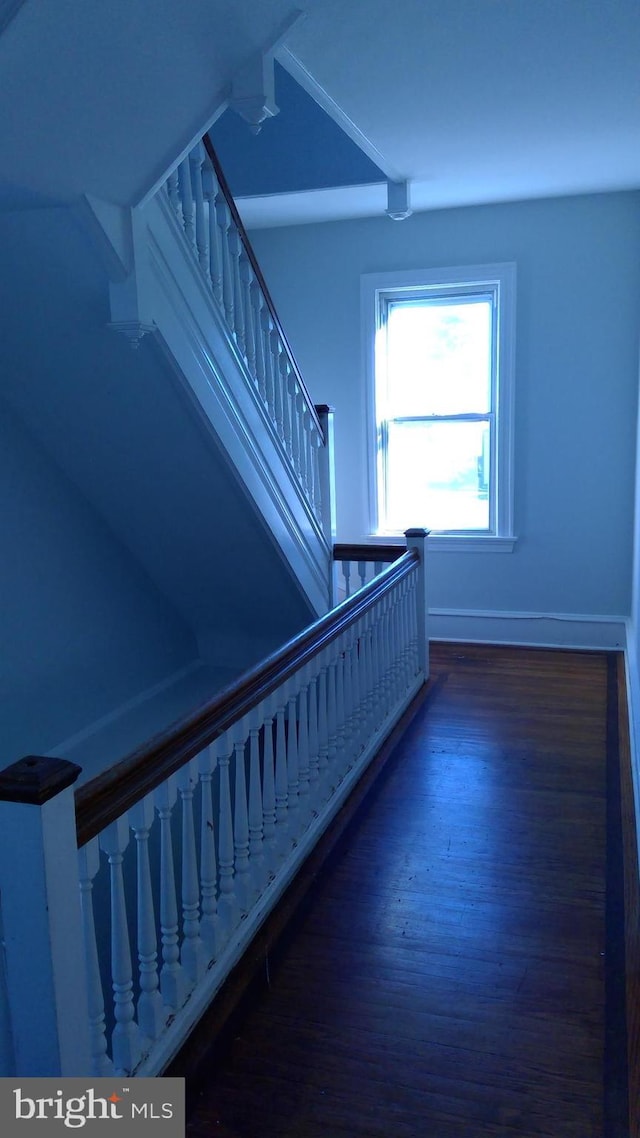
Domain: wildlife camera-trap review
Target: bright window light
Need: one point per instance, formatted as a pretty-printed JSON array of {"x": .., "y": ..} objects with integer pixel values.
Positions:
[{"x": 442, "y": 402}]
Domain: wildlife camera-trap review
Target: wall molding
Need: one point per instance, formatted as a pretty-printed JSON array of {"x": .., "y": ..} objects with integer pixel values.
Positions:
[
  {"x": 119, "y": 713},
  {"x": 529, "y": 629}
]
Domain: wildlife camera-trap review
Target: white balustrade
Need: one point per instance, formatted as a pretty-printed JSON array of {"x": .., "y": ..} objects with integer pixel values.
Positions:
[
  {"x": 204, "y": 215},
  {"x": 126, "y": 1037},
  {"x": 227, "y": 903},
  {"x": 256, "y": 809},
  {"x": 210, "y": 926},
  {"x": 149, "y": 1008},
  {"x": 88, "y": 866},
  {"x": 193, "y": 953},
  {"x": 172, "y": 979},
  {"x": 241, "y": 820},
  {"x": 237, "y": 818}
]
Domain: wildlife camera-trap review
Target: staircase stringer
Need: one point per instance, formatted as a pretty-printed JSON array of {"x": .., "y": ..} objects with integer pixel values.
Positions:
[{"x": 166, "y": 295}]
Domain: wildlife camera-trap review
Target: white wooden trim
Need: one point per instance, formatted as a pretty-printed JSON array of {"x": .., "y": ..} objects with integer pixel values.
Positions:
[
  {"x": 632, "y": 676},
  {"x": 502, "y": 274},
  {"x": 298, "y": 71},
  {"x": 195, "y": 340},
  {"x": 535, "y": 629},
  {"x": 444, "y": 543},
  {"x": 190, "y": 1013}
]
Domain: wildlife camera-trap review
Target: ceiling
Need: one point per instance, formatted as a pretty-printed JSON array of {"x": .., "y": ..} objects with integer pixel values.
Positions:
[{"x": 471, "y": 100}]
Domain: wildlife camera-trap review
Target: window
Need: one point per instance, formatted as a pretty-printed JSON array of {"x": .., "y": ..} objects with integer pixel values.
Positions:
[{"x": 440, "y": 347}]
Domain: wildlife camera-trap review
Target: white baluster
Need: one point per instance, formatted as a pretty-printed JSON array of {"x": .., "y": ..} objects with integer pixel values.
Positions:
[
  {"x": 287, "y": 433},
  {"x": 88, "y": 866},
  {"x": 362, "y": 573},
  {"x": 323, "y": 721},
  {"x": 210, "y": 926},
  {"x": 227, "y": 902},
  {"x": 278, "y": 394},
  {"x": 346, "y": 573},
  {"x": 193, "y": 952},
  {"x": 151, "y": 1017},
  {"x": 268, "y": 787},
  {"x": 282, "y": 799},
  {"x": 256, "y": 834},
  {"x": 304, "y": 421},
  {"x": 186, "y": 200},
  {"x": 265, "y": 318},
  {"x": 196, "y": 161},
  {"x": 246, "y": 275},
  {"x": 173, "y": 194},
  {"x": 292, "y": 388},
  {"x": 126, "y": 1037},
  {"x": 241, "y": 819},
  {"x": 235, "y": 248},
  {"x": 356, "y": 688},
  {"x": 340, "y": 704},
  {"x": 317, "y": 445},
  {"x": 314, "y": 738},
  {"x": 293, "y": 769},
  {"x": 304, "y": 770},
  {"x": 367, "y": 690},
  {"x": 222, "y": 218},
  {"x": 256, "y": 308},
  {"x": 380, "y": 677},
  {"x": 172, "y": 977},
  {"x": 348, "y": 697},
  {"x": 404, "y": 631},
  {"x": 310, "y": 446},
  {"x": 210, "y": 190},
  {"x": 332, "y": 708}
]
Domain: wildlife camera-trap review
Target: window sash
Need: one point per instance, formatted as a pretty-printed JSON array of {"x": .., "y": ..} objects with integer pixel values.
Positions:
[
  {"x": 460, "y": 284},
  {"x": 433, "y": 297}
]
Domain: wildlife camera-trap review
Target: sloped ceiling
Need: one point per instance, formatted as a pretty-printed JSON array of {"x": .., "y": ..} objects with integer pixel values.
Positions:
[
  {"x": 101, "y": 96},
  {"x": 472, "y": 100}
]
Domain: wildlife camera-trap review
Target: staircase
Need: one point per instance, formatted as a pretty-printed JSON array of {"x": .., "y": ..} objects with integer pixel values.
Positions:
[{"x": 201, "y": 717}]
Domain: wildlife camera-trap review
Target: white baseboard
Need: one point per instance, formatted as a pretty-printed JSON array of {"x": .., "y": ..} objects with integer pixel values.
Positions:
[
  {"x": 529, "y": 629},
  {"x": 632, "y": 676}
]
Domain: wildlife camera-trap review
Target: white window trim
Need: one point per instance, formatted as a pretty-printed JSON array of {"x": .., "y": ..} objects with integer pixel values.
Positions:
[{"x": 504, "y": 275}]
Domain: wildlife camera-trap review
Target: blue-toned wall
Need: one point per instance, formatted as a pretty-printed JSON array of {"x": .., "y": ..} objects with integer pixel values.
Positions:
[
  {"x": 85, "y": 629},
  {"x": 578, "y": 304}
]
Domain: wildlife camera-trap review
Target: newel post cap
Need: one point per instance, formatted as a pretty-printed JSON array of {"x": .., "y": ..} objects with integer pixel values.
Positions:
[
  {"x": 417, "y": 532},
  {"x": 36, "y": 778}
]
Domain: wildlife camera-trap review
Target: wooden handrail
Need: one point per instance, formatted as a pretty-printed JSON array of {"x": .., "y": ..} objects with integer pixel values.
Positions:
[
  {"x": 224, "y": 186},
  {"x": 370, "y": 552},
  {"x": 108, "y": 795}
]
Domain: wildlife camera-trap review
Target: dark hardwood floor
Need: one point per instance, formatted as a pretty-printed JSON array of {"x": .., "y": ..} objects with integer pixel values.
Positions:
[{"x": 446, "y": 976}]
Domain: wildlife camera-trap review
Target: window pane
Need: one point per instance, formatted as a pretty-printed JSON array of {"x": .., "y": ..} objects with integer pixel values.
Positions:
[
  {"x": 437, "y": 475},
  {"x": 438, "y": 357}
]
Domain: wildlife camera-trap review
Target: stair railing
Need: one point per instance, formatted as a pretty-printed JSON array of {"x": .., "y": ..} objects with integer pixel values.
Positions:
[
  {"x": 207, "y": 215},
  {"x": 145, "y": 888}
]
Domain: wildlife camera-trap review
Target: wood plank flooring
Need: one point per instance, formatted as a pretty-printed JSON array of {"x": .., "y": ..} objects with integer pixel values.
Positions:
[{"x": 447, "y": 976}]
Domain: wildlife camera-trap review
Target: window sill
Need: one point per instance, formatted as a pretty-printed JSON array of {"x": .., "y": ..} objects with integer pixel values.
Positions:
[{"x": 454, "y": 543}]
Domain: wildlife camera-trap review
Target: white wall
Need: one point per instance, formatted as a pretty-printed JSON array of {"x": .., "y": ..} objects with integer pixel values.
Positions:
[
  {"x": 576, "y": 382},
  {"x": 82, "y": 627}
]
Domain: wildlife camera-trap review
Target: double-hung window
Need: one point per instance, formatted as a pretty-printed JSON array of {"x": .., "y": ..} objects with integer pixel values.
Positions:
[{"x": 440, "y": 348}]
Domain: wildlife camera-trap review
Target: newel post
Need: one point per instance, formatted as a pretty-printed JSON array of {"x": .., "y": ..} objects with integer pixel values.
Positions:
[
  {"x": 417, "y": 539},
  {"x": 326, "y": 472},
  {"x": 41, "y": 918}
]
